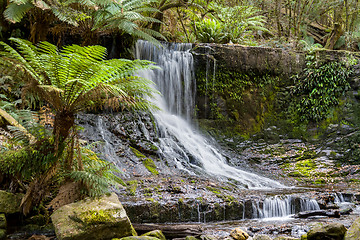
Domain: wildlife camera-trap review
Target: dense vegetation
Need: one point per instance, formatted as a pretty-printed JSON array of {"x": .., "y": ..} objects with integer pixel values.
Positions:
[
  {"x": 45, "y": 81},
  {"x": 284, "y": 23}
]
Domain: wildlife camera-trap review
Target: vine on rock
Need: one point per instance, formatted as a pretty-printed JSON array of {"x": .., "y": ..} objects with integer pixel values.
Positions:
[{"x": 320, "y": 86}]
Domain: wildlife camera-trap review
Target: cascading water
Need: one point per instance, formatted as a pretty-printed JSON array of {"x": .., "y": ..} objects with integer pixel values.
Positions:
[
  {"x": 282, "y": 206},
  {"x": 179, "y": 141}
]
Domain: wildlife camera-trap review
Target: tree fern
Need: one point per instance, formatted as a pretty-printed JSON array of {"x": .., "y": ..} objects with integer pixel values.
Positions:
[
  {"x": 68, "y": 80},
  {"x": 17, "y": 9},
  {"x": 126, "y": 16}
]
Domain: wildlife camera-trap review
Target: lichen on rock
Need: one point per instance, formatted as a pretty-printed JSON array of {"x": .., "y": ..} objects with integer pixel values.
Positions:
[{"x": 103, "y": 218}]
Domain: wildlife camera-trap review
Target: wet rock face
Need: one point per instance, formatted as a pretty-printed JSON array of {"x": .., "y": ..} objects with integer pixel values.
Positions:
[
  {"x": 127, "y": 139},
  {"x": 190, "y": 210}
]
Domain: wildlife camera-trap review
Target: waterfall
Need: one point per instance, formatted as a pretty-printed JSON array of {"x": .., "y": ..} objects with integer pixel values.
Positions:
[
  {"x": 282, "y": 206},
  {"x": 179, "y": 141}
]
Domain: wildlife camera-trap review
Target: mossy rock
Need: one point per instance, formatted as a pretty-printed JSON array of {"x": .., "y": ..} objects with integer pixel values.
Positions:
[
  {"x": 3, "y": 223},
  {"x": 354, "y": 231},
  {"x": 156, "y": 233},
  {"x": 239, "y": 234},
  {"x": 137, "y": 238},
  {"x": 102, "y": 218},
  {"x": 2, "y": 233},
  {"x": 9, "y": 202},
  {"x": 333, "y": 231}
]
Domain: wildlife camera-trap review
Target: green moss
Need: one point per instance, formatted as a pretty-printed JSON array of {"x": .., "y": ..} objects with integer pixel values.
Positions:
[
  {"x": 137, "y": 153},
  {"x": 93, "y": 217},
  {"x": 214, "y": 190},
  {"x": 320, "y": 181},
  {"x": 150, "y": 165},
  {"x": 147, "y": 162},
  {"x": 243, "y": 97},
  {"x": 131, "y": 187}
]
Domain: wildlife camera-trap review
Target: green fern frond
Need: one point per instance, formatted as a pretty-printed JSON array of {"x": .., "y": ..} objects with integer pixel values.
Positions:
[{"x": 14, "y": 12}]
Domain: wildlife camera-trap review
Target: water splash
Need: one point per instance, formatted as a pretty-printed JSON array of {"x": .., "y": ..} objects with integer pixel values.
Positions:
[{"x": 179, "y": 141}]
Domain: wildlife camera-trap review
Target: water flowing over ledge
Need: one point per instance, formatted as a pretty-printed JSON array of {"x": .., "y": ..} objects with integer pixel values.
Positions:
[{"x": 179, "y": 141}]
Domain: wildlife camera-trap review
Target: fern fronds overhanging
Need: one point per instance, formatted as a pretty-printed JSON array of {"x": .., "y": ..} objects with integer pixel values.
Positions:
[{"x": 127, "y": 17}]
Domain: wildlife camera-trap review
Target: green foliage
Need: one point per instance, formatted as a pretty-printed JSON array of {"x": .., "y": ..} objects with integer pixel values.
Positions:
[
  {"x": 319, "y": 88},
  {"x": 210, "y": 31},
  {"x": 77, "y": 78},
  {"x": 240, "y": 22},
  {"x": 62, "y": 10},
  {"x": 69, "y": 80},
  {"x": 230, "y": 24},
  {"x": 95, "y": 174},
  {"x": 27, "y": 162},
  {"x": 127, "y": 16}
]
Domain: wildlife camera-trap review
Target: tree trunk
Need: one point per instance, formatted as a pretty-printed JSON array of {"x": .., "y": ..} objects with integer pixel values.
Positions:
[
  {"x": 64, "y": 121},
  {"x": 162, "y": 7},
  {"x": 277, "y": 15}
]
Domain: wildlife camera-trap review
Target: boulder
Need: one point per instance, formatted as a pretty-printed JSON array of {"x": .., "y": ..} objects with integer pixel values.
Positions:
[
  {"x": 156, "y": 233},
  {"x": 2, "y": 221},
  {"x": 9, "y": 202},
  {"x": 101, "y": 218},
  {"x": 137, "y": 238},
  {"x": 261, "y": 237},
  {"x": 239, "y": 234},
  {"x": 2, "y": 233},
  {"x": 353, "y": 232},
  {"x": 332, "y": 231}
]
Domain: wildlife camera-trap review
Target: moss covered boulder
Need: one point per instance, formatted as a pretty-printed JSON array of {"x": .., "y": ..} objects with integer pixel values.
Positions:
[
  {"x": 138, "y": 238},
  {"x": 102, "y": 218},
  {"x": 156, "y": 233},
  {"x": 9, "y": 202},
  {"x": 332, "y": 231},
  {"x": 239, "y": 234},
  {"x": 354, "y": 231}
]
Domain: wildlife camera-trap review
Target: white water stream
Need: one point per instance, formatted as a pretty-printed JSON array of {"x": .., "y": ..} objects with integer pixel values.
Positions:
[{"x": 178, "y": 139}]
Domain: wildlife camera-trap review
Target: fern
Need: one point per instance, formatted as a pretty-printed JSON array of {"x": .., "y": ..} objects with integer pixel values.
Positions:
[
  {"x": 17, "y": 9},
  {"x": 97, "y": 175},
  {"x": 126, "y": 16}
]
